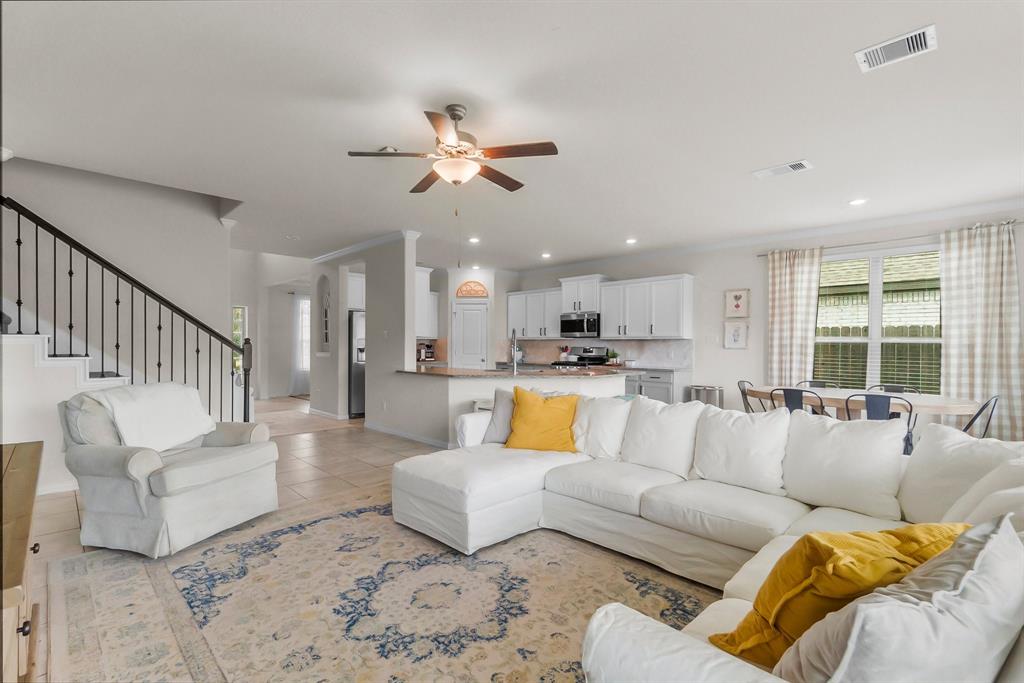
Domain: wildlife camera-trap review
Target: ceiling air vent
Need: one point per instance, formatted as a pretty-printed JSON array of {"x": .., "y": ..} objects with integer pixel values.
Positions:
[
  {"x": 896, "y": 50},
  {"x": 784, "y": 169}
]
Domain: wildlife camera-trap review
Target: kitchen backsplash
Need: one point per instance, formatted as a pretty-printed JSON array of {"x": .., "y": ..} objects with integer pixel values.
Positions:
[{"x": 649, "y": 354}]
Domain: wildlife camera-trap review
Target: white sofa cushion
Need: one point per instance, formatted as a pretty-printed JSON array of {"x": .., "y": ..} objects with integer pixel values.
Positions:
[
  {"x": 89, "y": 423},
  {"x": 600, "y": 425},
  {"x": 160, "y": 416},
  {"x": 720, "y": 616},
  {"x": 613, "y": 485},
  {"x": 954, "y": 618},
  {"x": 196, "y": 467},
  {"x": 854, "y": 465},
  {"x": 837, "y": 519},
  {"x": 622, "y": 644},
  {"x": 745, "y": 583},
  {"x": 477, "y": 477},
  {"x": 728, "y": 514},
  {"x": 742, "y": 449},
  {"x": 500, "y": 426},
  {"x": 946, "y": 463},
  {"x": 1009, "y": 475},
  {"x": 660, "y": 435}
]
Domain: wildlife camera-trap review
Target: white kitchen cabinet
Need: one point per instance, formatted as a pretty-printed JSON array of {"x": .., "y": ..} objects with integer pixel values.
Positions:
[
  {"x": 582, "y": 293},
  {"x": 426, "y": 310},
  {"x": 671, "y": 308},
  {"x": 552, "y": 328},
  {"x": 434, "y": 314},
  {"x": 613, "y": 309},
  {"x": 637, "y": 316},
  {"x": 517, "y": 314},
  {"x": 357, "y": 290},
  {"x": 534, "y": 315}
]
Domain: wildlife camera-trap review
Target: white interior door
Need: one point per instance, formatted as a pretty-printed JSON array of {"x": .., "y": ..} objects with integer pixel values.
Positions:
[{"x": 469, "y": 336}]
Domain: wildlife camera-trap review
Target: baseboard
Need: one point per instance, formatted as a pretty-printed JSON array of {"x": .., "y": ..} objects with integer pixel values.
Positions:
[
  {"x": 405, "y": 435},
  {"x": 324, "y": 413}
]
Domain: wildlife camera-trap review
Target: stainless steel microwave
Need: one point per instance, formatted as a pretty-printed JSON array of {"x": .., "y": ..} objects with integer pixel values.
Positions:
[{"x": 580, "y": 325}]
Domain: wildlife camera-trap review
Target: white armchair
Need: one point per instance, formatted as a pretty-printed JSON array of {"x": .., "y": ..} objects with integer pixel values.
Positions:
[{"x": 157, "y": 503}]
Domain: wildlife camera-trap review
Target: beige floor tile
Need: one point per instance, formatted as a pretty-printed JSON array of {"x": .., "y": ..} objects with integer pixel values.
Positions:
[
  {"x": 379, "y": 457},
  {"x": 287, "y": 462},
  {"x": 286, "y": 497},
  {"x": 417, "y": 449},
  {"x": 62, "y": 521},
  {"x": 319, "y": 488},
  {"x": 379, "y": 475},
  {"x": 311, "y": 451},
  {"x": 300, "y": 475},
  {"x": 47, "y": 505},
  {"x": 341, "y": 467}
]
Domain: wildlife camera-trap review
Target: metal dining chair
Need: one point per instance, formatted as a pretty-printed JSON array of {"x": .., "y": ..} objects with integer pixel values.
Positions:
[
  {"x": 817, "y": 384},
  {"x": 989, "y": 405},
  {"x": 895, "y": 388},
  {"x": 794, "y": 400},
  {"x": 879, "y": 407},
  {"x": 743, "y": 386}
]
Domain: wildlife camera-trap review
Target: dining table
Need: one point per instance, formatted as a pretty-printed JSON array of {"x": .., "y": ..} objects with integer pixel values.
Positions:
[{"x": 926, "y": 404}]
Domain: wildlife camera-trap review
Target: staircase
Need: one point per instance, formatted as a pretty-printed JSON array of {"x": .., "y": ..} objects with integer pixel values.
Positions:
[
  {"x": 89, "y": 308},
  {"x": 73, "y": 321}
]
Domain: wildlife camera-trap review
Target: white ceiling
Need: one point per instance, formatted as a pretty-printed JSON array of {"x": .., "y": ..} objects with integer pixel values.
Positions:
[{"x": 660, "y": 112}]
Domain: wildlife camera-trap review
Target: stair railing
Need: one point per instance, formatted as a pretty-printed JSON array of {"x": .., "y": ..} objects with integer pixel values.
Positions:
[{"x": 67, "y": 250}]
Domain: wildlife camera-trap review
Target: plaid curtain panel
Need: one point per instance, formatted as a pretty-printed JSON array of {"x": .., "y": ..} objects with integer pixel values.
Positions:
[
  {"x": 792, "y": 314},
  {"x": 981, "y": 324}
]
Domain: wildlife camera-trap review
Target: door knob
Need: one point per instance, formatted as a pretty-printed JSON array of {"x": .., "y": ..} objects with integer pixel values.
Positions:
[
  {"x": 34, "y": 548},
  {"x": 25, "y": 628}
]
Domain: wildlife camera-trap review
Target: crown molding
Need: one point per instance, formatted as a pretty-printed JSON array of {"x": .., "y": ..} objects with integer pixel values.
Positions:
[{"x": 367, "y": 244}]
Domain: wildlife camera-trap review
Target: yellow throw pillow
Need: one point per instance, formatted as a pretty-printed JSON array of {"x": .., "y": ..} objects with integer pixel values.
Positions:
[
  {"x": 821, "y": 573},
  {"x": 542, "y": 423}
]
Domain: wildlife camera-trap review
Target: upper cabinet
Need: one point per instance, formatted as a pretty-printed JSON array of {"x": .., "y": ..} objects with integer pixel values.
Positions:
[
  {"x": 582, "y": 293},
  {"x": 357, "y": 290},
  {"x": 427, "y": 305},
  {"x": 535, "y": 314},
  {"x": 651, "y": 308}
]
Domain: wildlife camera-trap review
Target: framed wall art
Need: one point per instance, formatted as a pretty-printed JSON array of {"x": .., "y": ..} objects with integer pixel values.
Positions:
[
  {"x": 735, "y": 335},
  {"x": 737, "y": 303}
]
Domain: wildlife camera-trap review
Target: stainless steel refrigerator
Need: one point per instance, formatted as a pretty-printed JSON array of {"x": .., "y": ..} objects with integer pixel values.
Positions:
[{"x": 356, "y": 363}]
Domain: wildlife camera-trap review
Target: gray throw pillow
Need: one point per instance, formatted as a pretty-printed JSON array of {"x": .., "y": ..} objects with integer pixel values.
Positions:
[{"x": 500, "y": 427}]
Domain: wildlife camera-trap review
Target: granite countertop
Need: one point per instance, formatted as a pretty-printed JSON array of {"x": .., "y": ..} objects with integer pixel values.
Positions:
[
  {"x": 617, "y": 368},
  {"x": 548, "y": 371}
]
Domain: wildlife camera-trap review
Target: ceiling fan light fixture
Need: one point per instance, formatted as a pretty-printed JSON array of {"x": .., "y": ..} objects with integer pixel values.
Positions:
[{"x": 456, "y": 170}]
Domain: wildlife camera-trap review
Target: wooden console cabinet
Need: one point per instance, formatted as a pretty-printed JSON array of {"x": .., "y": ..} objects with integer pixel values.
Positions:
[{"x": 20, "y": 618}]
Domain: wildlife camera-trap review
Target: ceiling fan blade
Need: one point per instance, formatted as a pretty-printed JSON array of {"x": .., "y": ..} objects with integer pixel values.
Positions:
[
  {"x": 499, "y": 178},
  {"x": 444, "y": 127},
  {"x": 417, "y": 155},
  {"x": 528, "y": 149},
  {"x": 426, "y": 182}
]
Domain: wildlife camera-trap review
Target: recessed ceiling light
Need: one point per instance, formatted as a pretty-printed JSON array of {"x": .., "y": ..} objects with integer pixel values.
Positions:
[
  {"x": 474, "y": 240},
  {"x": 476, "y": 267},
  {"x": 858, "y": 202},
  {"x": 631, "y": 240},
  {"x": 292, "y": 238},
  {"x": 545, "y": 255}
]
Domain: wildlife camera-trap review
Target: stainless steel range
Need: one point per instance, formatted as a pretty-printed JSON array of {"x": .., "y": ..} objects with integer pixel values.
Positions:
[{"x": 585, "y": 357}]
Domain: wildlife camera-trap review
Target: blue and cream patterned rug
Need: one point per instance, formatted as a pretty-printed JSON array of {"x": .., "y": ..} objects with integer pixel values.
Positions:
[{"x": 336, "y": 591}]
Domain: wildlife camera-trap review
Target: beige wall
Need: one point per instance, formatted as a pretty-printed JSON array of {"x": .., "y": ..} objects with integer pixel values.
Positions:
[{"x": 716, "y": 270}]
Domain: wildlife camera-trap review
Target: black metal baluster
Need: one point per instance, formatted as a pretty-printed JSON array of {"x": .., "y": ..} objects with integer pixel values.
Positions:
[
  {"x": 103, "y": 321},
  {"x": 87, "y": 305},
  {"x": 246, "y": 369},
  {"x": 220, "y": 382},
  {"x": 184, "y": 353},
  {"x": 159, "y": 339},
  {"x": 55, "y": 295},
  {"x": 231, "y": 385},
  {"x": 117, "y": 327},
  {"x": 209, "y": 375},
  {"x": 18, "y": 302},
  {"x": 37, "y": 277},
  {"x": 197, "y": 357},
  {"x": 145, "y": 332},
  {"x": 131, "y": 324},
  {"x": 171, "y": 336},
  {"x": 71, "y": 299}
]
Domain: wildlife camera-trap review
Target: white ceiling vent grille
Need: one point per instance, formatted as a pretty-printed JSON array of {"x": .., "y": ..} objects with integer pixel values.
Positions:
[
  {"x": 896, "y": 50},
  {"x": 784, "y": 169}
]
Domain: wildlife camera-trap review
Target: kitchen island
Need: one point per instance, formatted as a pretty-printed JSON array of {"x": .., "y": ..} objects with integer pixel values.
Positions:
[{"x": 445, "y": 393}]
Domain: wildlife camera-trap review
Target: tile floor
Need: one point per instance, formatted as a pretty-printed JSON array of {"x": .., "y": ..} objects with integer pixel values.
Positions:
[{"x": 317, "y": 457}]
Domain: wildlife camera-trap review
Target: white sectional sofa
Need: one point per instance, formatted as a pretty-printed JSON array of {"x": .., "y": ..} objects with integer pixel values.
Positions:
[{"x": 715, "y": 496}]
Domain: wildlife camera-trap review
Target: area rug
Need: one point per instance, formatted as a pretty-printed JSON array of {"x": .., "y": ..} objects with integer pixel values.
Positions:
[{"x": 337, "y": 591}]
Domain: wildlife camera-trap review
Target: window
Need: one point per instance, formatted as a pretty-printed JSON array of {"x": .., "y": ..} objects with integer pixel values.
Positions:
[
  {"x": 879, "y": 321},
  {"x": 303, "y": 334},
  {"x": 239, "y": 331}
]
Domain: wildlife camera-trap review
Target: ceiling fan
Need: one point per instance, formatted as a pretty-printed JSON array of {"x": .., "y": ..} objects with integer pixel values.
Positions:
[{"x": 458, "y": 159}]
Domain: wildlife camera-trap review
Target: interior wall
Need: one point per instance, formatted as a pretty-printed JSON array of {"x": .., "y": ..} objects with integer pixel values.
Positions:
[
  {"x": 328, "y": 366},
  {"x": 739, "y": 267}
]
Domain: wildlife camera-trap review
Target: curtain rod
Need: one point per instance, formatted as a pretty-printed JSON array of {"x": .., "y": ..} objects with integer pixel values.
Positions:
[{"x": 898, "y": 239}]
